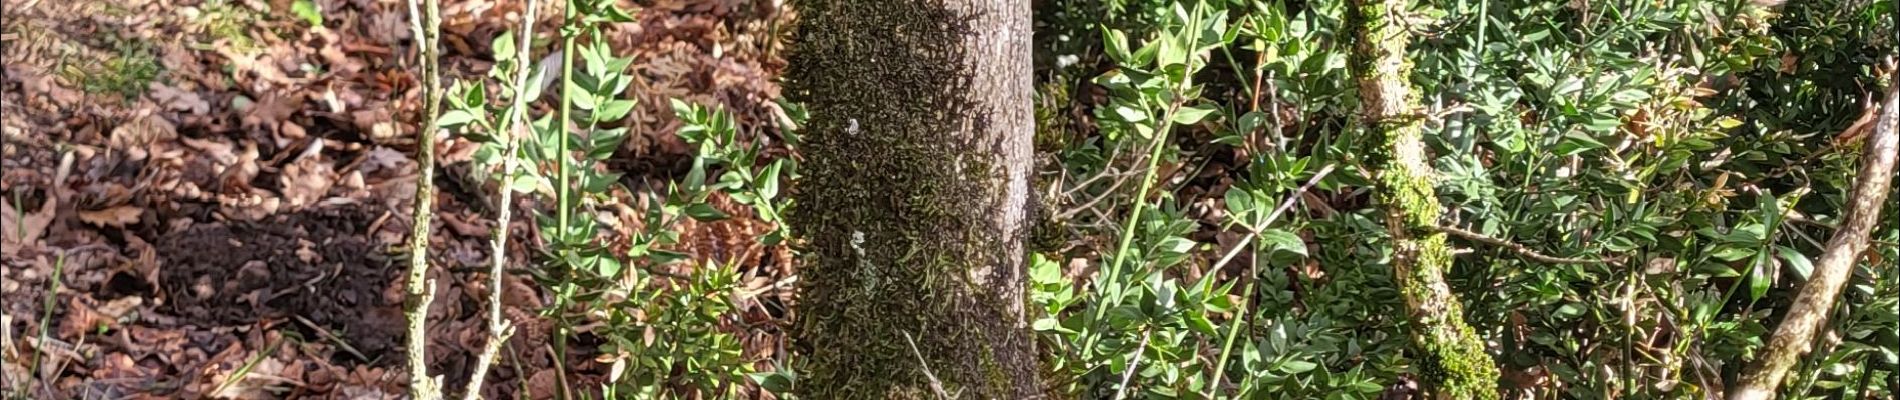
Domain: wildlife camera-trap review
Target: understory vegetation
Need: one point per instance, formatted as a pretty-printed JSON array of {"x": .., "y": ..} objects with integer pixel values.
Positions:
[
  {"x": 1637, "y": 188},
  {"x": 1633, "y": 195}
]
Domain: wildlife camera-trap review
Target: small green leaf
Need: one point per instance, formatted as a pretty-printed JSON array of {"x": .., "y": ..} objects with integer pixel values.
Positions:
[
  {"x": 615, "y": 14},
  {"x": 1115, "y": 43},
  {"x": 308, "y": 10},
  {"x": 1576, "y": 143},
  {"x": 595, "y": 60},
  {"x": 1044, "y": 271},
  {"x": 581, "y": 99},
  {"x": 1176, "y": 244},
  {"x": 535, "y": 77},
  {"x": 1241, "y": 205},
  {"x": 1192, "y": 115},
  {"x": 1796, "y": 261},
  {"x": 607, "y": 266},
  {"x": 704, "y": 212},
  {"x": 503, "y": 47},
  {"x": 524, "y": 183},
  {"x": 1199, "y": 323},
  {"x": 1732, "y": 253},
  {"x": 768, "y": 180},
  {"x": 1298, "y": 367},
  {"x": 1049, "y": 325},
  {"x": 1280, "y": 240},
  {"x": 1758, "y": 277},
  {"x": 1130, "y": 114},
  {"x": 1569, "y": 310},
  {"x": 455, "y": 118},
  {"x": 614, "y": 110}
]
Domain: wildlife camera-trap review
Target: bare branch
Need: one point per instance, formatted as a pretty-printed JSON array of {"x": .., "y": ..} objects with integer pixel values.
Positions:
[
  {"x": 1520, "y": 249},
  {"x": 1811, "y": 306},
  {"x": 499, "y": 330},
  {"x": 426, "y": 23}
]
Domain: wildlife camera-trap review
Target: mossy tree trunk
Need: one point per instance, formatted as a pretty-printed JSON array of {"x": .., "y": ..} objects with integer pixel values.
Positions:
[
  {"x": 1451, "y": 356},
  {"x": 916, "y": 183}
]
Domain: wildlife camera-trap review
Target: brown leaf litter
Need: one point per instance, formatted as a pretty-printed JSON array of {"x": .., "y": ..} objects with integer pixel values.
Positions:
[{"x": 222, "y": 188}]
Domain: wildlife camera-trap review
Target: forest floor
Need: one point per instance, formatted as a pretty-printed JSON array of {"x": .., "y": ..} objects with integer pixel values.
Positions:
[{"x": 221, "y": 188}]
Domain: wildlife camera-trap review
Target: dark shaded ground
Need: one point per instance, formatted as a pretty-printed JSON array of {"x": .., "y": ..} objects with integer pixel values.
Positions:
[{"x": 313, "y": 265}]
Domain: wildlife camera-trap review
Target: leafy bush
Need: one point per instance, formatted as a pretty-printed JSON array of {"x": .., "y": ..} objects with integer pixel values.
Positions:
[
  {"x": 1684, "y": 144},
  {"x": 663, "y": 334}
]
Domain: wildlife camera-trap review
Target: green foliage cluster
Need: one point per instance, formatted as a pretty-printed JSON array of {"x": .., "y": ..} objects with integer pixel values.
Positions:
[
  {"x": 125, "y": 70},
  {"x": 1687, "y": 144},
  {"x": 661, "y": 333}
]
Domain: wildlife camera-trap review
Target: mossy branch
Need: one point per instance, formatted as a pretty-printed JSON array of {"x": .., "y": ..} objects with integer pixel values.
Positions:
[
  {"x": 1451, "y": 355},
  {"x": 426, "y": 25},
  {"x": 1809, "y": 313}
]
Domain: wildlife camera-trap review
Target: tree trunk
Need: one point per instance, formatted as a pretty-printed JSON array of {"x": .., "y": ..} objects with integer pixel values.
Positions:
[
  {"x": 1451, "y": 357},
  {"x": 913, "y": 201}
]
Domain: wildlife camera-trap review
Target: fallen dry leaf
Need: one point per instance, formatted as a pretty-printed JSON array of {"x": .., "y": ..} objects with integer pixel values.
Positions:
[
  {"x": 23, "y": 229},
  {"x": 176, "y": 99},
  {"x": 117, "y": 217}
]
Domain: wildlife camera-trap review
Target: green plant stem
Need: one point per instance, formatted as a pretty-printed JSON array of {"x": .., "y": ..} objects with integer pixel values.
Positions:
[
  {"x": 1141, "y": 196},
  {"x": 567, "y": 114},
  {"x": 427, "y": 27},
  {"x": 569, "y": 30},
  {"x": 1163, "y": 126},
  {"x": 1227, "y": 345},
  {"x": 46, "y": 312}
]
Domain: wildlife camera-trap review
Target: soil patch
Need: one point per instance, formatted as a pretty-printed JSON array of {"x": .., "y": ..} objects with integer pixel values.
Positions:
[{"x": 316, "y": 264}]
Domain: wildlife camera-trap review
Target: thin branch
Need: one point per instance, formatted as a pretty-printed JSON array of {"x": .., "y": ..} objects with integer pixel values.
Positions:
[
  {"x": 499, "y": 329},
  {"x": 1129, "y": 375},
  {"x": 935, "y": 385},
  {"x": 1220, "y": 367},
  {"x": 426, "y": 26},
  {"x": 1521, "y": 250},
  {"x": 1808, "y": 314},
  {"x": 1254, "y": 231},
  {"x": 1120, "y": 178}
]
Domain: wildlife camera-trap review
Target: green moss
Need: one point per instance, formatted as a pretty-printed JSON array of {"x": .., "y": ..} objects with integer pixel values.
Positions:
[
  {"x": 126, "y": 71},
  {"x": 895, "y": 210},
  {"x": 1452, "y": 358},
  {"x": 1052, "y": 123},
  {"x": 226, "y": 22}
]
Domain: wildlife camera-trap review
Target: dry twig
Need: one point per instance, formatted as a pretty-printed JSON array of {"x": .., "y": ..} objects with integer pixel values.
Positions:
[
  {"x": 1514, "y": 247},
  {"x": 499, "y": 329},
  {"x": 427, "y": 28}
]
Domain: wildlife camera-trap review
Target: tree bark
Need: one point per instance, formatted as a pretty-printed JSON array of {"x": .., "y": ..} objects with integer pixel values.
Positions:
[
  {"x": 1452, "y": 358},
  {"x": 914, "y": 197},
  {"x": 1808, "y": 315}
]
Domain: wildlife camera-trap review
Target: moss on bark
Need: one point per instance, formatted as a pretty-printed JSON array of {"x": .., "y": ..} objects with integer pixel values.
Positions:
[
  {"x": 1452, "y": 357},
  {"x": 916, "y": 181}
]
